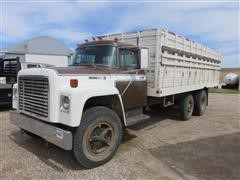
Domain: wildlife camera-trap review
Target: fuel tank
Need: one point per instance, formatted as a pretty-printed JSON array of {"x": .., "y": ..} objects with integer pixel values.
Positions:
[{"x": 231, "y": 79}]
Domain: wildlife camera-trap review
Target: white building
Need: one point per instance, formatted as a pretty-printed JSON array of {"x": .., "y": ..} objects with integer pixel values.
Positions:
[{"x": 43, "y": 49}]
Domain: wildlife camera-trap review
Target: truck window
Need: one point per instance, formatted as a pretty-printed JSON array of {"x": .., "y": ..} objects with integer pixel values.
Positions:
[
  {"x": 128, "y": 59},
  {"x": 99, "y": 55}
]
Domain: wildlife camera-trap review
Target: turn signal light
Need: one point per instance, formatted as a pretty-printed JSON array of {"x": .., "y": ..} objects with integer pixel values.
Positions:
[{"x": 73, "y": 83}]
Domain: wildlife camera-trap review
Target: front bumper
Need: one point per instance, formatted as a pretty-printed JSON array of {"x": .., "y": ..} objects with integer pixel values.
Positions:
[{"x": 50, "y": 133}]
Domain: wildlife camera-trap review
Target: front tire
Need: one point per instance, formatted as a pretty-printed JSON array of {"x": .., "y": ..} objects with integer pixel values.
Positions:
[
  {"x": 186, "y": 107},
  {"x": 98, "y": 137}
]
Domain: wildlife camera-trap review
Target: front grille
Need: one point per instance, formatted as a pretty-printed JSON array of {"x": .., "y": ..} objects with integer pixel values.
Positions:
[
  {"x": 33, "y": 96},
  {"x": 10, "y": 68}
]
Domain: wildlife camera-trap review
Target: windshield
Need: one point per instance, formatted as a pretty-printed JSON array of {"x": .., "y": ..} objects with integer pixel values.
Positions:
[{"x": 96, "y": 55}]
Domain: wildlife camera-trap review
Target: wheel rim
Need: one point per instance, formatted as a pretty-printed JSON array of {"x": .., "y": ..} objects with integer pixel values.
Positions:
[{"x": 100, "y": 138}]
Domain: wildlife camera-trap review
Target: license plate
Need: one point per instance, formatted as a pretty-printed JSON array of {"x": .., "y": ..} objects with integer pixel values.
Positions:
[{"x": 59, "y": 133}]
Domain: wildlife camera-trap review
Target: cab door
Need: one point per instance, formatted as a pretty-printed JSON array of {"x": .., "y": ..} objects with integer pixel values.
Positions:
[{"x": 132, "y": 85}]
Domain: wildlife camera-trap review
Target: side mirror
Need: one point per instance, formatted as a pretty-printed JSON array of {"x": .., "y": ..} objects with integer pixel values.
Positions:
[{"x": 144, "y": 54}]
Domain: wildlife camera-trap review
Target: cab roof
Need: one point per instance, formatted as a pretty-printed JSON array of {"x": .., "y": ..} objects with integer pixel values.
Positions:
[{"x": 106, "y": 42}]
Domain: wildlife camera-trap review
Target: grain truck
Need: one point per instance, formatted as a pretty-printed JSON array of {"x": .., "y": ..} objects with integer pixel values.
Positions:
[{"x": 112, "y": 79}]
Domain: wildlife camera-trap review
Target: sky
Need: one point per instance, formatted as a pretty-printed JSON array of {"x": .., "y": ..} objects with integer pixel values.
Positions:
[{"x": 211, "y": 23}]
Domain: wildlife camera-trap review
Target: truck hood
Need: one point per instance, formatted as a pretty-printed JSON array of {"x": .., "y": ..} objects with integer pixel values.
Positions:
[{"x": 84, "y": 70}]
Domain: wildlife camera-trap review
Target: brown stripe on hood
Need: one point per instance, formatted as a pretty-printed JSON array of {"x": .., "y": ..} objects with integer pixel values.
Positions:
[{"x": 85, "y": 70}]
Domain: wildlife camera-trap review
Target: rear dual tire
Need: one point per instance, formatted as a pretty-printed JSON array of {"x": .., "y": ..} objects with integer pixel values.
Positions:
[
  {"x": 193, "y": 105},
  {"x": 186, "y": 107},
  {"x": 200, "y": 104}
]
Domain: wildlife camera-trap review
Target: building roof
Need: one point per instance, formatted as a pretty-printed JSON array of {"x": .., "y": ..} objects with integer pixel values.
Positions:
[{"x": 39, "y": 45}]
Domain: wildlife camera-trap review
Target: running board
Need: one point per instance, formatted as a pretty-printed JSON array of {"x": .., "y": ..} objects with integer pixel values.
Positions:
[{"x": 136, "y": 119}]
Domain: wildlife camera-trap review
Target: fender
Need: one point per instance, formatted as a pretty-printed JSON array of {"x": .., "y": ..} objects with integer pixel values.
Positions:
[{"x": 80, "y": 95}]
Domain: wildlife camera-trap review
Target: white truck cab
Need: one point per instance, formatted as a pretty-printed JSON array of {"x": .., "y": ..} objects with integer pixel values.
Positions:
[{"x": 84, "y": 107}]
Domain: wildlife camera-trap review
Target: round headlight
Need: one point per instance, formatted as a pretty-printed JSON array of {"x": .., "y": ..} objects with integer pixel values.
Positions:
[{"x": 66, "y": 102}]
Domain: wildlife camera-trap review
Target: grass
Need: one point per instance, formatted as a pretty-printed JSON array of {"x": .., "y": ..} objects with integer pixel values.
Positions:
[{"x": 225, "y": 91}]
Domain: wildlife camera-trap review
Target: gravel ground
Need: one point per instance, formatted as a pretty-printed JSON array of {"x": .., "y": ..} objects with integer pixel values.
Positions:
[{"x": 206, "y": 147}]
